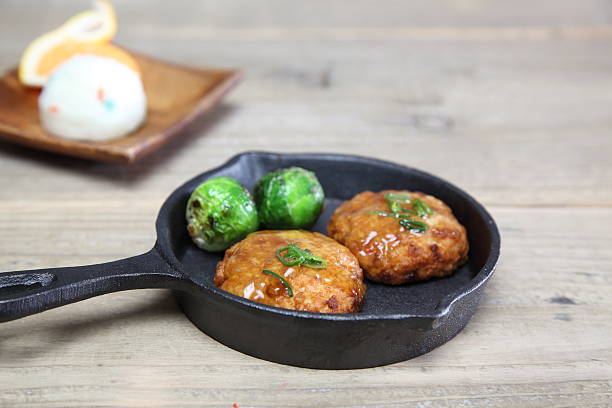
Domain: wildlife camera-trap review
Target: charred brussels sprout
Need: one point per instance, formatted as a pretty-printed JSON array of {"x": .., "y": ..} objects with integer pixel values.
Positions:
[
  {"x": 220, "y": 212},
  {"x": 289, "y": 198}
]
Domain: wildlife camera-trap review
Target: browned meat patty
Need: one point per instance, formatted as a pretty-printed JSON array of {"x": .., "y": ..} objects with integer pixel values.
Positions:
[
  {"x": 392, "y": 254},
  {"x": 338, "y": 288}
]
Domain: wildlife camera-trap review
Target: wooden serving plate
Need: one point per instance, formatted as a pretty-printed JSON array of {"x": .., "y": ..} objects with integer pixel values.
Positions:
[{"x": 176, "y": 96}]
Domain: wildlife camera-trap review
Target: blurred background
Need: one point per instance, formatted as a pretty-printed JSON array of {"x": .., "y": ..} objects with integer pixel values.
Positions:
[{"x": 510, "y": 100}]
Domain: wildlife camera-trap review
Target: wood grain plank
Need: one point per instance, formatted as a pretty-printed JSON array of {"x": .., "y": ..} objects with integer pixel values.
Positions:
[
  {"x": 321, "y": 13},
  {"x": 462, "y": 112},
  {"x": 509, "y": 100}
]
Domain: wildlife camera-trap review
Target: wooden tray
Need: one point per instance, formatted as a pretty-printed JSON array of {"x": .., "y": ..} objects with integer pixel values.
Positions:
[{"x": 176, "y": 96}]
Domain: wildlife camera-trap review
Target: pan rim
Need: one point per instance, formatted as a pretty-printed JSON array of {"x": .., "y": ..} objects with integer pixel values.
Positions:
[{"x": 442, "y": 310}]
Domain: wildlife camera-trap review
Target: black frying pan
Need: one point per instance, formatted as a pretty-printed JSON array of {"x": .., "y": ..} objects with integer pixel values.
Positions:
[{"x": 396, "y": 323}]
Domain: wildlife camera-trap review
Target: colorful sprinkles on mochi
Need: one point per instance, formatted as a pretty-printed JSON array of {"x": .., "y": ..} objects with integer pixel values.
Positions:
[{"x": 108, "y": 104}]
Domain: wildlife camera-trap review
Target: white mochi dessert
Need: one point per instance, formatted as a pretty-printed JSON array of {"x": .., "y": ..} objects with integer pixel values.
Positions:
[{"x": 92, "y": 98}]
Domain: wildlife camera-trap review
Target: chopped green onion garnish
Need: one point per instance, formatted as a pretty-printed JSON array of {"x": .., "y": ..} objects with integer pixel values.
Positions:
[
  {"x": 406, "y": 211},
  {"x": 419, "y": 208},
  {"x": 315, "y": 262},
  {"x": 292, "y": 255},
  {"x": 422, "y": 209},
  {"x": 413, "y": 225},
  {"x": 397, "y": 197},
  {"x": 280, "y": 278}
]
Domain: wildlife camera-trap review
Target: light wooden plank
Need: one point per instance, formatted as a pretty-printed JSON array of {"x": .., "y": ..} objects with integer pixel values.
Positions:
[
  {"x": 531, "y": 116},
  {"x": 509, "y": 100},
  {"x": 322, "y": 13}
]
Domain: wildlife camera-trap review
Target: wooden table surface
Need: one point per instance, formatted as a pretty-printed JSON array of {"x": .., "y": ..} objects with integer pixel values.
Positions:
[{"x": 510, "y": 100}]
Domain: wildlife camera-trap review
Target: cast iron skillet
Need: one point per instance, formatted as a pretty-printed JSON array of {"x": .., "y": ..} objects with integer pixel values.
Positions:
[{"x": 396, "y": 323}]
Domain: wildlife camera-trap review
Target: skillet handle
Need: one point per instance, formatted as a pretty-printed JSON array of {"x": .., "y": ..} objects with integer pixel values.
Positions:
[{"x": 23, "y": 293}]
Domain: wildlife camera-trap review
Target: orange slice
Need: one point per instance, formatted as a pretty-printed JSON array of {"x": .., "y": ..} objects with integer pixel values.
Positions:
[
  {"x": 87, "y": 32},
  {"x": 67, "y": 49},
  {"x": 97, "y": 25}
]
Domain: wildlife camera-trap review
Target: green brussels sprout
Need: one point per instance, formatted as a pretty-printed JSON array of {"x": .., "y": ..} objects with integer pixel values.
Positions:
[
  {"x": 220, "y": 212},
  {"x": 289, "y": 198}
]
